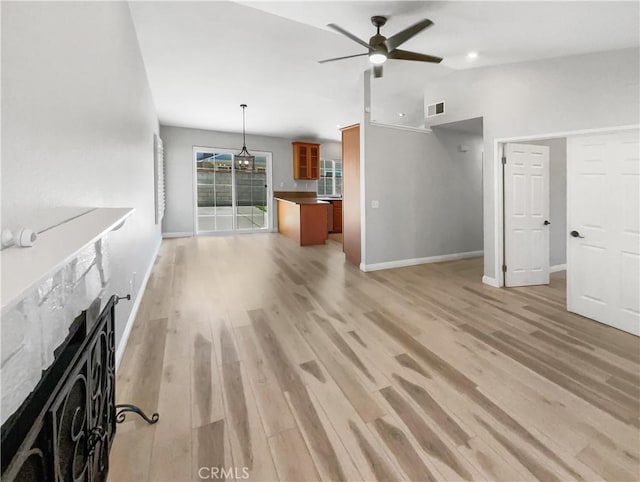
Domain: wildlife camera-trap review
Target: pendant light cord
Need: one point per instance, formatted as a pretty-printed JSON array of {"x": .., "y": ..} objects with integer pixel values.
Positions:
[{"x": 244, "y": 142}]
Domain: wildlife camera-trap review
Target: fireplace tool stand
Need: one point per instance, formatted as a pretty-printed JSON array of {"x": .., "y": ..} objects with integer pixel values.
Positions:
[{"x": 123, "y": 408}]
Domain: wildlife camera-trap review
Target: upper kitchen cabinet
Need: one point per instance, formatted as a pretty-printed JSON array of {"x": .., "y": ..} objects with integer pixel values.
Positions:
[{"x": 306, "y": 161}]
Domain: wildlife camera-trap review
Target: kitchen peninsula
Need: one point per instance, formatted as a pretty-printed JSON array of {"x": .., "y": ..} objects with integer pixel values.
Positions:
[{"x": 302, "y": 217}]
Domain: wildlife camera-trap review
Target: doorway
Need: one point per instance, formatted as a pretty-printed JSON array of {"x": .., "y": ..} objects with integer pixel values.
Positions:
[
  {"x": 535, "y": 210},
  {"x": 601, "y": 234},
  {"x": 228, "y": 199},
  {"x": 460, "y": 145}
]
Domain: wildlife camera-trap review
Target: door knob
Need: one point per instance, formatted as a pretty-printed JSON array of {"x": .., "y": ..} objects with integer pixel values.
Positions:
[
  {"x": 576, "y": 234},
  {"x": 546, "y": 223}
]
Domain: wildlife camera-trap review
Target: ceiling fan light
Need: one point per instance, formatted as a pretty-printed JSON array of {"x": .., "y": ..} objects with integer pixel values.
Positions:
[{"x": 378, "y": 58}]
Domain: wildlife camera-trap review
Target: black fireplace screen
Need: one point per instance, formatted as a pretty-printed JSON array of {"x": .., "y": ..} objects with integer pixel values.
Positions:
[{"x": 64, "y": 429}]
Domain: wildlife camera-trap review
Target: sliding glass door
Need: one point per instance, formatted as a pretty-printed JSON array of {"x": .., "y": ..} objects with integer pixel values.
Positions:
[
  {"x": 252, "y": 196},
  {"x": 227, "y": 199}
]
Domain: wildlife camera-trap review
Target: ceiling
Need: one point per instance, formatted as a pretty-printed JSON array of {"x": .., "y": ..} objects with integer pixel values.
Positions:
[{"x": 204, "y": 59}]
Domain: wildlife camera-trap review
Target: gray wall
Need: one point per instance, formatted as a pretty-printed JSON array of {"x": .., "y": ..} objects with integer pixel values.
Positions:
[
  {"x": 430, "y": 195},
  {"x": 535, "y": 98},
  {"x": 78, "y": 122},
  {"x": 178, "y": 147},
  {"x": 558, "y": 198}
]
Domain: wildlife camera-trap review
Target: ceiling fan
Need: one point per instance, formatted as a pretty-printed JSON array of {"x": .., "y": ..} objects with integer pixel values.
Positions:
[{"x": 381, "y": 48}]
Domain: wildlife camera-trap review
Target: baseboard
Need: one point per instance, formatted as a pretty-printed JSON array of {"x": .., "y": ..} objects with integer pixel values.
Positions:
[
  {"x": 557, "y": 267},
  {"x": 186, "y": 234},
  {"x": 415, "y": 261},
  {"x": 491, "y": 282},
  {"x": 134, "y": 309}
]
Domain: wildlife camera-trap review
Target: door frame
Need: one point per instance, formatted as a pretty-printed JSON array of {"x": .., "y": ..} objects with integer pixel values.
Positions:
[
  {"x": 498, "y": 189},
  {"x": 194, "y": 192}
]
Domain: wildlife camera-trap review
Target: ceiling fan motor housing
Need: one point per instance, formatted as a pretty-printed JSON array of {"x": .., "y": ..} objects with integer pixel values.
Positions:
[{"x": 377, "y": 41}]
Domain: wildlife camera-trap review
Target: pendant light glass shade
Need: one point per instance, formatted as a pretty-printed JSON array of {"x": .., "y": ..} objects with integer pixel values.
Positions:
[{"x": 244, "y": 160}]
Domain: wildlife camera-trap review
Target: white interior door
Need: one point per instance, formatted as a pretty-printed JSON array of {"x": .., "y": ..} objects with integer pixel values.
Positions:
[
  {"x": 526, "y": 214},
  {"x": 603, "y": 250}
]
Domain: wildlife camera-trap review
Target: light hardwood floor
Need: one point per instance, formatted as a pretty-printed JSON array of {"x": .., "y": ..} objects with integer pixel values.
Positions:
[{"x": 261, "y": 354}]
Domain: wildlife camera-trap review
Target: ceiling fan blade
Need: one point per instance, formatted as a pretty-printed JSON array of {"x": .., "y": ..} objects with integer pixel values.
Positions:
[
  {"x": 401, "y": 37},
  {"x": 406, "y": 55},
  {"x": 350, "y": 35},
  {"x": 341, "y": 58},
  {"x": 377, "y": 71}
]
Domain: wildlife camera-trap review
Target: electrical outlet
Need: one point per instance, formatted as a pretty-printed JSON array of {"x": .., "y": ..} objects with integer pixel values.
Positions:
[{"x": 375, "y": 204}]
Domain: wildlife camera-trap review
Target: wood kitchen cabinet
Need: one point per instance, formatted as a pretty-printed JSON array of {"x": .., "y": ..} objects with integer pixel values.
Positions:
[
  {"x": 306, "y": 161},
  {"x": 303, "y": 219},
  {"x": 337, "y": 216}
]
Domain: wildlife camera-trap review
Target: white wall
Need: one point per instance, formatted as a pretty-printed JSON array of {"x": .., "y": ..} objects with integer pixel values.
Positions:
[
  {"x": 557, "y": 198},
  {"x": 77, "y": 126},
  {"x": 178, "y": 148},
  {"x": 556, "y": 95},
  {"x": 429, "y": 194}
]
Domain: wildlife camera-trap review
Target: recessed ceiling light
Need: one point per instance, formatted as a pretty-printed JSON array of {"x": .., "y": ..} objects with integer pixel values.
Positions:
[
  {"x": 401, "y": 114},
  {"x": 472, "y": 55}
]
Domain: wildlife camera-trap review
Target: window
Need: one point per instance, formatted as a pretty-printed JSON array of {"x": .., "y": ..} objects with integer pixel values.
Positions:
[{"x": 330, "y": 182}]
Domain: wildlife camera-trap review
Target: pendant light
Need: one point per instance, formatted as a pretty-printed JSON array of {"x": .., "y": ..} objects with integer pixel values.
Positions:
[{"x": 244, "y": 160}]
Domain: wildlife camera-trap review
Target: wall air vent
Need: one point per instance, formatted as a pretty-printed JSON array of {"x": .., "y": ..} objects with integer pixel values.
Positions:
[{"x": 435, "y": 109}]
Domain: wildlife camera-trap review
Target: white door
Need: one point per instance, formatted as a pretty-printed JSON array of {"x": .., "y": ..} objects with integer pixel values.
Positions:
[
  {"x": 603, "y": 242},
  {"x": 526, "y": 214}
]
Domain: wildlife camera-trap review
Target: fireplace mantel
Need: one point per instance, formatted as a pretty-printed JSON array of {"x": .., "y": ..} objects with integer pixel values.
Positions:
[{"x": 23, "y": 269}]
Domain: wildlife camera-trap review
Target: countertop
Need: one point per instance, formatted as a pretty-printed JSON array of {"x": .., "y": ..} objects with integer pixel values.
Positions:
[{"x": 302, "y": 200}]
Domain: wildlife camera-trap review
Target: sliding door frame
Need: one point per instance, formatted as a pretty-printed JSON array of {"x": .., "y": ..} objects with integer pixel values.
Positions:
[{"x": 234, "y": 230}]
